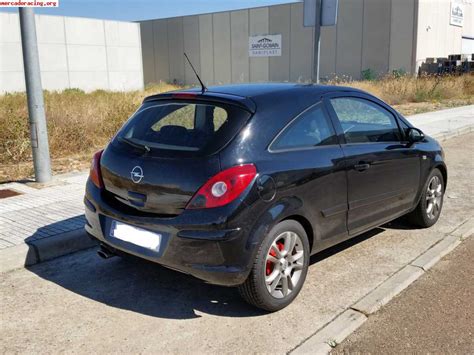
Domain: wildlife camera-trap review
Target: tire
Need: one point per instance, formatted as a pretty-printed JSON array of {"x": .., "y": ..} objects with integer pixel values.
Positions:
[
  {"x": 288, "y": 274},
  {"x": 432, "y": 195}
]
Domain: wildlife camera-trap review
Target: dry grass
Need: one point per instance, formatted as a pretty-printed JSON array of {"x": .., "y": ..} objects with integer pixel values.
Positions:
[
  {"x": 397, "y": 90},
  {"x": 79, "y": 123}
]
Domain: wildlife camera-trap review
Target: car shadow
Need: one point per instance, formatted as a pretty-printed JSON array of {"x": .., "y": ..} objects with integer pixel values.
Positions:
[
  {"x": 401, "y": 223},
  {"x": 344, "y": 245},
  {"x": 146, "y": 288}
]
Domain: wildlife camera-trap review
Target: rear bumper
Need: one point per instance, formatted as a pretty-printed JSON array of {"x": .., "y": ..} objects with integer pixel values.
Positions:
[{"x": 196, "y": 243}]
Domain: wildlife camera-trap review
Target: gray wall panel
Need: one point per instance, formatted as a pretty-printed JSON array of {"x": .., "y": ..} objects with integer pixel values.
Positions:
[
  {"x": 191, "y": 47},
  {"x": 280, "y": 18},
  {"x": 160, "y": 45},
  {"x": 376, "y": 38},
  {"x": 176, "y": 49},
  {"x": 327, "y": 64},
  {"x": 206, "y": 47},
  {"x": 239, "y": 32},
  {"x": 349, "y": 38},
  {"x": 301, "y": 41},
  {"x": 148, "y": 53},
  {"x": 221, "y": 36},
  {"x": 401, "y": 35},
  {"x": 258, "y": 25}
]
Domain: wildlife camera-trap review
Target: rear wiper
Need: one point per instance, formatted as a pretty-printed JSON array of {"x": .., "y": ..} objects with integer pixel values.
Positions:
[{"x": 134, "y": 144}]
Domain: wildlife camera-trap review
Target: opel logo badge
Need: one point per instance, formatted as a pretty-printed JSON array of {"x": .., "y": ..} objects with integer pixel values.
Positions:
[{"x": 137, "y": 174}]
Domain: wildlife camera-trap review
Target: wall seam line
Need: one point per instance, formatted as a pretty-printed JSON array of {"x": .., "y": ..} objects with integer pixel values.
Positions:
[
  {"x": 183, "y": 60},
  {"x": 141, "y": 53},
  {"x": 169, "y": 53},
  {"x": 289, "y": 54},
  {"x": 248, "y": 36},
  {"x": 230, "y": 47},
  {"x": 362, "y": 39},
  {"x": 155, "y": 78},
  {"x": 213, "y": 51},
  {"x": 390, "y": 38},
  {"x": 106, "y": 56},
  {"x": 335, "y": 51},
  {"x": 414, "y": 46},
  {"x": 67, "y": 55}
]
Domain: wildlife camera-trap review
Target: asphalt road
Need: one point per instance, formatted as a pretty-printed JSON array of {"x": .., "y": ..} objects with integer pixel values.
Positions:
[
  {"x": 434, "y": 315},
  {"x": 81, "y": 303}
]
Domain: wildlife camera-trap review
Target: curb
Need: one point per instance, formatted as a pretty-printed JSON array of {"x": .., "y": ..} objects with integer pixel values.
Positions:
[
  {"x": 41, "y": 250},
  {"x": 430, "y": 257},
  {"x": 391, "y": 287},
  {"x": 333, "y": 333},
  {"x": 443, "y": 136}
]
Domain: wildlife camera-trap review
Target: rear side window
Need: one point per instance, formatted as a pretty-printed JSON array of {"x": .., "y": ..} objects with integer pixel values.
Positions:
[
  {"x": 311, "y": 129},
  {"x": 364, "y": 121},
  {"x": 187, "y": 127}
]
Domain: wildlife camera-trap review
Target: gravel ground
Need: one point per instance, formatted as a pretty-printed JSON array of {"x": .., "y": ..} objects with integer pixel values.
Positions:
[{"x": 434, "y": 315}]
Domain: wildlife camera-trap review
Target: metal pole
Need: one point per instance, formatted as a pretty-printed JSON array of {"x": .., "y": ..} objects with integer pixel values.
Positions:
[
  {"x": 34, "y": 92},
  {"x": 317, "y": 41}
]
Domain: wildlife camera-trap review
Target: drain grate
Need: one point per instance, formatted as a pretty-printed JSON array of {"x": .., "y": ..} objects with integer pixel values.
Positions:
[{"x": 8, "y": 193}]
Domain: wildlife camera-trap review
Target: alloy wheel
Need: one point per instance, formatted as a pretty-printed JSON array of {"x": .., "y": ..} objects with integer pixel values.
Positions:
[
  {"x": 284, "y": 264},
  {"x": 434, "y": 194}
]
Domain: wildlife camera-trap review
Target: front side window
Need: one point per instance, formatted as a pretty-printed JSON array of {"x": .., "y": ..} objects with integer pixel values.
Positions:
[
  {"x": 312, "y": 128},
  {"x": 364, "y": 121}
]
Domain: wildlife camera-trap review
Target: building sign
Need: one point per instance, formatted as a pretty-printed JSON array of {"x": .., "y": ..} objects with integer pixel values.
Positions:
[
  {"x": 457, "y": 14},
  {"x": 265, "y": 46}
]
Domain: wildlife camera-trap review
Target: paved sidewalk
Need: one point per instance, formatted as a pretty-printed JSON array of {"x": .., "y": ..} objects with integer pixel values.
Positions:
[
  {"x": 50, "y": 212},
  {"x": 444, "y": 122},
  {"x": 42, "y": 213}
]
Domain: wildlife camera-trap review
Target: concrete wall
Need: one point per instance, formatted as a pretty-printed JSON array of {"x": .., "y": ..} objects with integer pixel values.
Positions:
[
  {"x": 381, "y": 35},
  {"x": 435, "y": 36},
  {"x": 74, "y": 53},
  {"x": 218, "y": 46}
]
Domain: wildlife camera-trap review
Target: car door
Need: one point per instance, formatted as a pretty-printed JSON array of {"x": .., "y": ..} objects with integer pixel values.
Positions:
[
  {"x": 311, "y": 167},
  {"x": 383, "y": 171}
]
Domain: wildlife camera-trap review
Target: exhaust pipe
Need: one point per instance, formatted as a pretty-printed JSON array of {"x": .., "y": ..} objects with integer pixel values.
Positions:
[{"x": 105, "y": 253}]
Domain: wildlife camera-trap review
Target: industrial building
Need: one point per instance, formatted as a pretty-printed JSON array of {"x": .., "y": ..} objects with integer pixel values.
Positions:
[
  {"x": 380, "y": 35},
  {"x": 271, "y": 43}
]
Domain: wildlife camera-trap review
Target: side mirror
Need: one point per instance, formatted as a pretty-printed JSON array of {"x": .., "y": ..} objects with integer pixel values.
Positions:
[{"x": 415, "y": 135}]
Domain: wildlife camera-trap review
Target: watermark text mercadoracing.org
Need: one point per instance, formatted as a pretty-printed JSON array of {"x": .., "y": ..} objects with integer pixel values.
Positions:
[{"x": 34, "y": 3}]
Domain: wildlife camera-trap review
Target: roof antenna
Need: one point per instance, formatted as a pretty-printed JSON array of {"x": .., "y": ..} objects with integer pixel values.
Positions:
[{"x": 203, "y": 87}]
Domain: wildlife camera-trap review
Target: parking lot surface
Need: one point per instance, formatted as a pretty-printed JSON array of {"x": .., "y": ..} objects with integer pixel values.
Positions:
[{"x": 81, "y": 303}]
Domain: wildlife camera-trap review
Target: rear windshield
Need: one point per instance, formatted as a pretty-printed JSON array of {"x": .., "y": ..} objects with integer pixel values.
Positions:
[{"x": 199, "y": 128}]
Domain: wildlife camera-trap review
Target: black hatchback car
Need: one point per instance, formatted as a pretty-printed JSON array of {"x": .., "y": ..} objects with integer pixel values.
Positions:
[{"x": 238, "y": 185}]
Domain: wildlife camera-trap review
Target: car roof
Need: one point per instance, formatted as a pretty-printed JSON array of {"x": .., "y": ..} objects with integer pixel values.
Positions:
[
  {"x": 264, "y": 89},
  {"x": 260, "y": 92}
]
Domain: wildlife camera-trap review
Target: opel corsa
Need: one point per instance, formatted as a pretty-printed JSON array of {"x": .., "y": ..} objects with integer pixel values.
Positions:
[{"x": 238, "y": 185}]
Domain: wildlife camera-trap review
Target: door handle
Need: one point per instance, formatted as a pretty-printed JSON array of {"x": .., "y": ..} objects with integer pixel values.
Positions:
[{"x": 361, "y": 166}]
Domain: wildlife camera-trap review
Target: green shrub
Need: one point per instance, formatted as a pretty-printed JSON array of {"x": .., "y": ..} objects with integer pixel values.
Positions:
[{"x": 369, "y": 75}]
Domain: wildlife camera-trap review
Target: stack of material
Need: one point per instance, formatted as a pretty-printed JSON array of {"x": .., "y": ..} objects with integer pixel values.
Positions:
[{"x": 455, "y": 64}]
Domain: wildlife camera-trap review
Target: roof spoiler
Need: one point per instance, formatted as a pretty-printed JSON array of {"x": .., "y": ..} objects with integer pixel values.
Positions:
[{"x": 208, "y": 96}]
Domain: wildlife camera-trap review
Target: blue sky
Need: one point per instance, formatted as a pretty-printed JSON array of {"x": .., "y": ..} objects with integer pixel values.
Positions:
[{"x": 133, "y": 10}]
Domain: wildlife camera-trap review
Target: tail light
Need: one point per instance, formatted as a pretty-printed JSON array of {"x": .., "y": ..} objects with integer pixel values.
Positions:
[
  {"x": 224, "y": 187},
  {"x": 95, "y": 174}
]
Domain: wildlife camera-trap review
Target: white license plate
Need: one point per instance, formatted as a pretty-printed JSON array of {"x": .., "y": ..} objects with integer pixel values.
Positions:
[{"x": 135, "y": 235}]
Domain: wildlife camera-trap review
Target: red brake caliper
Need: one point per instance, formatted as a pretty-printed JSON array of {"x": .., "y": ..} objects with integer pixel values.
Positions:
[{"x": 269, "y": 266}]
